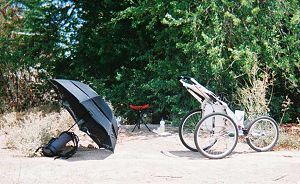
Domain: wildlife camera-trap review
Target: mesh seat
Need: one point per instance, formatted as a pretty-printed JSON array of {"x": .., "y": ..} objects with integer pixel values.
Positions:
[{"x": 140, "y": 109}]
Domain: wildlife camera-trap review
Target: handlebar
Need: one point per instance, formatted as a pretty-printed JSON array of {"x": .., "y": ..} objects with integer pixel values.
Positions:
[{"x": 191, "y": 84}]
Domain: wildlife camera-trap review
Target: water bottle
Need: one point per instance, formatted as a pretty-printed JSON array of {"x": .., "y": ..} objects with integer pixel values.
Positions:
[{"x": 162, "y": 126}]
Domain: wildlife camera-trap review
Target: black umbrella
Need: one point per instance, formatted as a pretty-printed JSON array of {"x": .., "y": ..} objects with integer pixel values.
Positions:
[{"x": 91, "y": 113}]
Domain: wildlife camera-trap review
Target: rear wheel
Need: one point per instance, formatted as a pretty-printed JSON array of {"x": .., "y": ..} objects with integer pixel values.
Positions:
[
  {"x": 216, "y": 135},
  {"x": 262, "y": 134},
  {"x": 187, "y": 129}
]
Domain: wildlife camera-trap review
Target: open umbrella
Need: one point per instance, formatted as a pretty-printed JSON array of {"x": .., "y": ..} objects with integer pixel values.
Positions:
[{"x": 91, "y": 113}]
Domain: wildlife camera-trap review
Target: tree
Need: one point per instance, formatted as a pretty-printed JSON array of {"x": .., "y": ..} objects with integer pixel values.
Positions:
[{"x": 133, "y": 51}]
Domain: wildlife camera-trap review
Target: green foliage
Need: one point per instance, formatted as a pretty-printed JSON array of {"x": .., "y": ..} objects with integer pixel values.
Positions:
[
  {"x": 217, "y": 42},
  {"x": 133, "y": 51},
  {"x": 32, "y": 38}
]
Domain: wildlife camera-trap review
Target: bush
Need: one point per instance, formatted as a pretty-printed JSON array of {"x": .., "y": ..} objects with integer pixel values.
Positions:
[
  {"x": 253, "y": 97},
  {"x": 24, "y": 88},
  {"x": 289, "y": 136},
  {"x": 135, "y": 50},
  {"x": 26, "y": 131},
  {"x": 217, "y": 42}
]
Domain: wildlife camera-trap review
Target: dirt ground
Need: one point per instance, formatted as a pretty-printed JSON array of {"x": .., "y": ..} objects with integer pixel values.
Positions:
[{"x": 144, "y": 157}]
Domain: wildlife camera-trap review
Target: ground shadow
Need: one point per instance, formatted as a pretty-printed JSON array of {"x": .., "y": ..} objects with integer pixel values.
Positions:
[
  {"x": 84, "y": 153},
  {"x": 242, "y": 152},
  {"x": 126, "y": 130},
  {"x": 183, "y": 154},
  {"x": 197, "y": 156}
]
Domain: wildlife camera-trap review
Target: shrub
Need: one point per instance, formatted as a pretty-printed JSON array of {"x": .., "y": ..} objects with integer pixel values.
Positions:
[
  {"x": 24, "y": 87},
  {"x": 253, "y": 97},
  {"x": 289, "y": 136},
  {"x": 26, "y": 131}
]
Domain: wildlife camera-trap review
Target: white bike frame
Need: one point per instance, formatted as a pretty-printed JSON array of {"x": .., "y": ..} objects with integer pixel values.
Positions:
[{"x": 210, "y": 103}]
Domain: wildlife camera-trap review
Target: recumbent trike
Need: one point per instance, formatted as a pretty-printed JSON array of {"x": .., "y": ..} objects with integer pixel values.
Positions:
[{"x": 214, "y": 129}]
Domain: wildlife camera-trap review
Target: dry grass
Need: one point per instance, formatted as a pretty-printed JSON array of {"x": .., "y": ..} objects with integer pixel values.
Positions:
[
  {"x": 289, "y": 137},
  {"x": 255, "y": 101},
  {"x": 27, "y": 131},
  {"x": 288, "y": 141},
  {"x": 253, "y": 97}
]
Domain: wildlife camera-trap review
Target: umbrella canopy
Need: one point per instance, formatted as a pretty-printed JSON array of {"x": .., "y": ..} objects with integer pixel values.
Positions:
[{"x": 91, "y": 113}]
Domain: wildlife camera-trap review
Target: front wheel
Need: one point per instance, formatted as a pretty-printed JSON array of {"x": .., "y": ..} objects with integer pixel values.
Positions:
[
  {"x": 216, "y": 135},
  {"x": 262, "y": 134}
]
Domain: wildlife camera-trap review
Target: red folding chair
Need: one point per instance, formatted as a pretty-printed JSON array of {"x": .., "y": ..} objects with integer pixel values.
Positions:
[{"x": 140, "y": 109}]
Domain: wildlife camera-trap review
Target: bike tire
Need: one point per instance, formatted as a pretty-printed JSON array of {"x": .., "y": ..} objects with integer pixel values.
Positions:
[
  {"x": 187, "y": 126},
  {"x": 210, "y": 133},
  {"x": 263, "y": 143}
]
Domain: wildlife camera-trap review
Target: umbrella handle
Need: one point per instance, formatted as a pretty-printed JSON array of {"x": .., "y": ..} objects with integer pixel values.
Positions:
[{"x": 71, "y": 127}]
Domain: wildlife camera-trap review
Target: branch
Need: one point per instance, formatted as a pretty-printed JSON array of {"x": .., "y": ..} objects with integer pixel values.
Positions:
[{"x": 3, "y": 9}]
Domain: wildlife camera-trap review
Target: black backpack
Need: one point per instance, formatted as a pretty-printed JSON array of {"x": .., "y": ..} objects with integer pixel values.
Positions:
[{"x": 57, "y": 146}]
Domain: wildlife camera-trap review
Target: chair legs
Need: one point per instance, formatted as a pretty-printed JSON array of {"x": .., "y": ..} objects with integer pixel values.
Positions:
[
  {"x": 138, "y": 123},
  {"x": 147, "y": 126}
]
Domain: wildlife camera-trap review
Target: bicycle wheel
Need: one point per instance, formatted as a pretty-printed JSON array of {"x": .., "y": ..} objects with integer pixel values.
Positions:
[
  {"x": 187, "y": 128},
  {"x": 216, "y": 135},
  {"x": 262, "y": 134}
]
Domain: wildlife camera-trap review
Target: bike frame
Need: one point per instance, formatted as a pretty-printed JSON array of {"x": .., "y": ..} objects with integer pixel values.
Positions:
[{"x": 210, "y": 103}]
